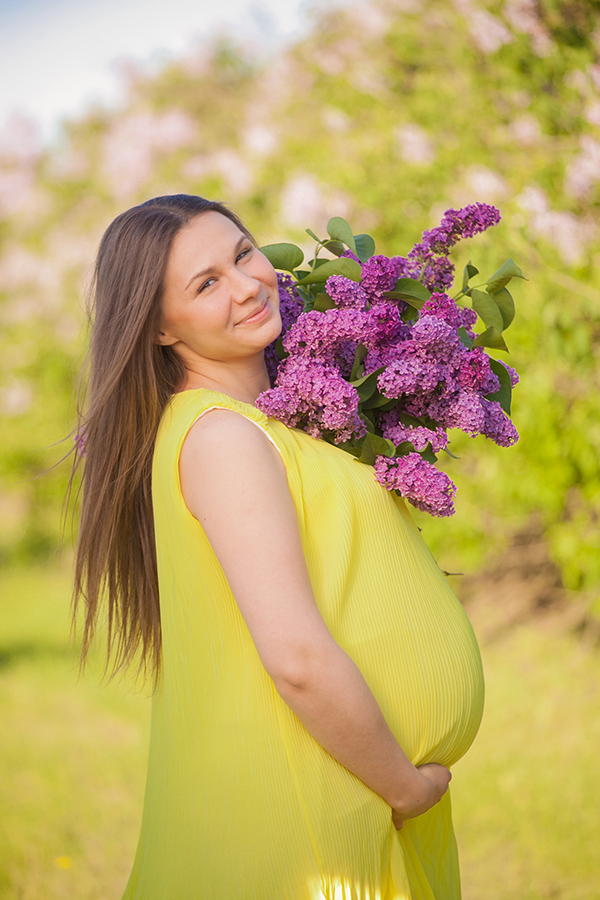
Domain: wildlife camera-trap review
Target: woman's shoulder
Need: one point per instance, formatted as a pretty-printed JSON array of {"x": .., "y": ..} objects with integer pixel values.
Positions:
[
  {"x": 228, "y": 430},
  {"x": 185, "y": 408},
  {"x": 200, "y": 415}
]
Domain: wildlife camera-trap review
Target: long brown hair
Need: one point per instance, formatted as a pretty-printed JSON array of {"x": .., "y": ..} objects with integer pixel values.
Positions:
[{"x": 130, "y": 378}]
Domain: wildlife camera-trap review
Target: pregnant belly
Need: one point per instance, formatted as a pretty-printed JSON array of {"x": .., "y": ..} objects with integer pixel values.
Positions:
[{"x": 429, "y": 685}]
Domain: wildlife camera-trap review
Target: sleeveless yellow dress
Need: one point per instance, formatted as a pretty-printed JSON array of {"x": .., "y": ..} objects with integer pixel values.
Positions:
[{"x": 241, "y": 802}]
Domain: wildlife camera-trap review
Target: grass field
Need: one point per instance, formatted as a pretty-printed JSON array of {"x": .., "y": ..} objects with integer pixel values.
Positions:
[{"x": 73, "y": 757}]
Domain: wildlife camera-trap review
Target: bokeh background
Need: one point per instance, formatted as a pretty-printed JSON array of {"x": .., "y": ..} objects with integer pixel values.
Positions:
[{"x": 385, "y": 112}]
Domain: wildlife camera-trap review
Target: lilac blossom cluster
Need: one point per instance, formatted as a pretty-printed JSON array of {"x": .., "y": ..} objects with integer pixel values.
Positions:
[
  {"x": 428, "y": 375},
  {"x": 418, "y": 481},
  {"x": 290, "y": 307},
  {"x": 428, "y": 260}
]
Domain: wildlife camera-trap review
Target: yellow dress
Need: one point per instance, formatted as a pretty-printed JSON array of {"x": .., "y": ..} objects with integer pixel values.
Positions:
[{"x": 241, "y": 802}]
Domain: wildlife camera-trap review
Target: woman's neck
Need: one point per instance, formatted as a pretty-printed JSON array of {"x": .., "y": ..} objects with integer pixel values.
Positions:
[{"x": 243, "y": 380}]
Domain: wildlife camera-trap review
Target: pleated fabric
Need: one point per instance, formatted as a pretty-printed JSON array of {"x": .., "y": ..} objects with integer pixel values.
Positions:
[{"x": 241, "y": 802}]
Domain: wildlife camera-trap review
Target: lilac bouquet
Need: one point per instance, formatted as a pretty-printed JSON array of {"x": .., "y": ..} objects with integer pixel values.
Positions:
[{"x": 377, "y": 358}]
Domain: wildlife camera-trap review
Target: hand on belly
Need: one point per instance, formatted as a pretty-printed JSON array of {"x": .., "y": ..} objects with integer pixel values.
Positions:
[{"x": 429, "y": 786}]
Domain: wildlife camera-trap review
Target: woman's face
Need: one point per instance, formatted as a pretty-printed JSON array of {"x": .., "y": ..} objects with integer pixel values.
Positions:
[{"x": 220, "y": 299}]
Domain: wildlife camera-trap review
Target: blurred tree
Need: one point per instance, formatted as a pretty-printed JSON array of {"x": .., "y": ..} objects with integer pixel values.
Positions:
[{"x": 386, "y": 114}]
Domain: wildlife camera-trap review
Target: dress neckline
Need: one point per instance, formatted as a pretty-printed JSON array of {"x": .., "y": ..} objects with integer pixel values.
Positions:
[{"x": 215, "y": 394}]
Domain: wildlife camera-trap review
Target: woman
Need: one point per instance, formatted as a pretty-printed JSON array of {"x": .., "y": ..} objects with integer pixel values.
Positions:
[{"x": 315, "y": 675}]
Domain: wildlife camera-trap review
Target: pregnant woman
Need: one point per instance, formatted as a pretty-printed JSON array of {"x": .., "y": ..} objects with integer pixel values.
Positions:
[{"x": 315, "y": 676}]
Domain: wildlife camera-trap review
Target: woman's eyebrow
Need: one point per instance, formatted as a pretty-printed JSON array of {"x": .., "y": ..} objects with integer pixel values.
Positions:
[{"x": 212, "y": 268}]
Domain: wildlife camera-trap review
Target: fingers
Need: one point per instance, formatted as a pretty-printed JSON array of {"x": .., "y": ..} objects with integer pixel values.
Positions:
[{"x": 398, "y": 822}]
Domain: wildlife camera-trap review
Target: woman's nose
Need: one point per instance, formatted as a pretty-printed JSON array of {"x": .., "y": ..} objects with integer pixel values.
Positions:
[{"x": 244, "y": 286}]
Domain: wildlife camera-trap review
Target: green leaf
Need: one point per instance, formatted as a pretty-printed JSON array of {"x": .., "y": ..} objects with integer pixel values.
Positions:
[
  {"x": 487, "y": 309},
  {"x": 404, "y": 448},
  {"x": 283, "y": 256},
  {"x": 361, "y": 352},
  {"x": 323, "y": 302},
  {"x": 280, "y": 349},
  {"x": 373, "y": 445},
  {"x": 365, "y": 246},
  {"x": 504, "y": 394},
  {"x": 313, "y": 235},
  {"x": 339, "y": 230},
  {"x": 428, "y": 454},
  {"x": 500, "y": 279},
  {"x": 347, "y": 267},
  {"x": 450, "y": 453},
  {"x": 317, "y": 263},
  {"x": 491, "y": 337},
  {"x": 306, "y": 297},
  {"x": 391, "y": 404},
  {"x": 464, "y": 337},
  {"x": 468, "y": 273},
  {"x": 399, "y": 295},
  {"x": 506, "y": 304},
  {"x": 376, "y": 401},
  {"x": 335, "y": 247},
  {"x": 350, "y": 447},
  {"x": 367, "y": 385},
  {"x": 409, "y": 314},
  {"x": 369, "y": 420},
  {"x": 410, "y": 289},
  {"x": 407, "y": 419}
]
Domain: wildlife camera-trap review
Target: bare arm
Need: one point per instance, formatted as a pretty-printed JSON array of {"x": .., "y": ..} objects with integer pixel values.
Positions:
[{"x": 235, "y": 484}]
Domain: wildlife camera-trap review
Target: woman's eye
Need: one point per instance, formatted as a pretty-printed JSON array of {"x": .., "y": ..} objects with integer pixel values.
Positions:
[
  {"x": 243, "y": 253},
  {"x": 206, "y": 284}
]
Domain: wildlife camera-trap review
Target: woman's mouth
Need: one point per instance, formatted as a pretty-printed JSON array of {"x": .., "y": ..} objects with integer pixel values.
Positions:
[{"x": 258, "y": 316}]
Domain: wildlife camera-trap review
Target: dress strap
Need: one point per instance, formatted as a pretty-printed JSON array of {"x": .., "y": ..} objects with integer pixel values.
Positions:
[{"x": 250, "y": 418}]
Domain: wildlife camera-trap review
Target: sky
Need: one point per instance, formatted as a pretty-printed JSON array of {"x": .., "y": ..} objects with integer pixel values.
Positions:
[{"x": 59, "y": 56}]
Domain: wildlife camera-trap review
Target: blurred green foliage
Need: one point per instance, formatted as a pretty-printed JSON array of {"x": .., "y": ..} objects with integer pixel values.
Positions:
[{"x": 386, "y": 114}]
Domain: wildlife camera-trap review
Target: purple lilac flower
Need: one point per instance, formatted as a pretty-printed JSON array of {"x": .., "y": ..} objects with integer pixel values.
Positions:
[
  {"x": 410, "y": 374},
  {"x": 346, "y": 293},
  {"x": 312, "y": 395},
  {"x": 379, "y": 274},
  {"x": 514, "y": 375},
  {"x": 475, "y": 373},
  {"x": 435, "y": 272},
  {"x": 463, "y": 410},
  {"x": 441, "y": 306},
  {"x": 290, "y": 304},
  {"x": 467, "y": 318},
  {"x": 427, "y": 369},
  {"x": 460, "y": 223},
  {"x": 434, "y": 336},
  {"x": 290, "y": 307},
  {"x": 381, "y": 356},
  {"x": 431, "y": 254},
  {"x": 344, "y": 358},
  {"x": 497, "y": 425},
  {"x": 418, "y": 481},
  {"x": 349, "y": 254},
  {"x": 319, "y": 334},
  {"x": 393, "y": 428},
  {"x": 384, "y": 326}
]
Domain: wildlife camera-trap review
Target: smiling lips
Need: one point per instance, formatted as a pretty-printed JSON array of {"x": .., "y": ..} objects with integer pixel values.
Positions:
[{"x": 255, "y": 317}]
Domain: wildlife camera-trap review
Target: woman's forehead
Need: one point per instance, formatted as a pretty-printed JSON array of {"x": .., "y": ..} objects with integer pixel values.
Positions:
[{"x": 206, "y": 241}]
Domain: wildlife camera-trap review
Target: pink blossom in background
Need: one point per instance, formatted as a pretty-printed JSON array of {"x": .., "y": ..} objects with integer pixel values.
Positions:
[{"x": 133, "y": 143}]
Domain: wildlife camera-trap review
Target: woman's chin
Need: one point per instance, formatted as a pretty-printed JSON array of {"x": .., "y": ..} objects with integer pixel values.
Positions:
[{"x": 272, "y": 330}]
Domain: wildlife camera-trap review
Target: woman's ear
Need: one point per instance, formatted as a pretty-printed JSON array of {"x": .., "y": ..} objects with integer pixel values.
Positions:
[{"x": 165, "y": 339}]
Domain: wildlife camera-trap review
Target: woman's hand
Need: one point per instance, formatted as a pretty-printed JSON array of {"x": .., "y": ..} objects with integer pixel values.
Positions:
[{"x": 429, "y": 786}]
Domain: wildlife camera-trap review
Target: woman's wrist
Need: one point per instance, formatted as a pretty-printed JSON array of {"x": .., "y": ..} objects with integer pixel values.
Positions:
[{"x": 407, "y": 788}]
